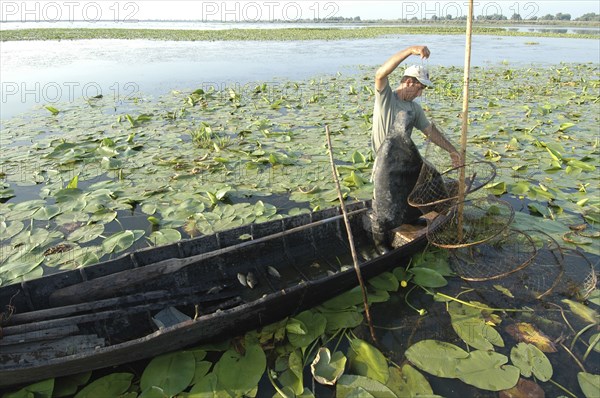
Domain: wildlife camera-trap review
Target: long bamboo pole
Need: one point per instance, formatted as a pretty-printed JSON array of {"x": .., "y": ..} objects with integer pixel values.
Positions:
[
  {"x": 350, "y": 238},
  {"x": 465, "y": 120}
]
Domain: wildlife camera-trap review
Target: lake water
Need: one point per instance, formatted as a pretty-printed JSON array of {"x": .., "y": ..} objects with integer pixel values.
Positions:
[{"x": 40, "y": 73}]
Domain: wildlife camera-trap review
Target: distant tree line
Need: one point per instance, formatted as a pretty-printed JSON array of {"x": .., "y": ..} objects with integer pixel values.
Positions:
[{"x": 591, "y": 16}]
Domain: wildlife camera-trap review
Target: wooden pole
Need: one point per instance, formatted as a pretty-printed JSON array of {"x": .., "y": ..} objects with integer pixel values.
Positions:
[
  {"x": 465, "y": 120},
  {"x": 350, "y": 238}
]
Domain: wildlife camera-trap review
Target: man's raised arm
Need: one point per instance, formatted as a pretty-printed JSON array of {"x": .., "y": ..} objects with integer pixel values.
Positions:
[{"x": 381, "y": 76}]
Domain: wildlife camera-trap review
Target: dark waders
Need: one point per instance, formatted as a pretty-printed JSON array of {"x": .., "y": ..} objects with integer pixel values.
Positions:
[{"x": 395, "y": 173}]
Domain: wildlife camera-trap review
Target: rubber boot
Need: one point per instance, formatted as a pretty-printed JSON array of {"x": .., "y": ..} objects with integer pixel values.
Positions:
[{"x": 382, "y": 244}]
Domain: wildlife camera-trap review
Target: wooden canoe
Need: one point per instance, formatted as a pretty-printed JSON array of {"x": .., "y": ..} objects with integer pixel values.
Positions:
[{"x": 161, "y": 299}]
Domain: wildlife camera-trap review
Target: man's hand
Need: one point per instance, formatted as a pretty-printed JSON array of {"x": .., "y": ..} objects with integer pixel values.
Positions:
[
  {"x": 456, "y": 159},
  {"x": 421, "y": 51}
]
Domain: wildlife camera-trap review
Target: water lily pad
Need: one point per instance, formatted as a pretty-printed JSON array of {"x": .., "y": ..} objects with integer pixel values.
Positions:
[
  {"x": 530, "y": 360},
  {"x": 47, "y": 212},
  {"x": 113, "y": 385},
  {"x": 471, "y": 326},
  {"x": 409, "y": 382},
  {"x": 427, "y": 277},
  {"x": 342, "y": 319},
  {"x": 351, "y": 386},
  {"x": 241, "y": 373},
  {"x": 86, "y": 233},
  {"x": 42, "y": 389},
  {"x": 121, "y": 241},
  {"x": 368, "y": 361},
  {"x": 327, "y": 368},
  {"x": 487, "y": 370},
  {"x": 304, "y": 328},
  {"x": 385, "y": 281},
  {"x": 436, "y": 357},
  {"x": 589, "y": 383},
  {"x": 164, "y": 236},
  {"x": 171, "y": 372},
  {"x": 9, "y": 230}
]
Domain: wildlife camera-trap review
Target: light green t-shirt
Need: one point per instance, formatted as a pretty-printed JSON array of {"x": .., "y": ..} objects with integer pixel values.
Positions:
[{"x": 388, "y": 107}]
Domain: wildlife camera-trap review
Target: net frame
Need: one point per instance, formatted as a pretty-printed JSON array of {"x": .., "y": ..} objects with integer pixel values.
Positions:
[
  {"x": 428, "y": 186},
  {"x": 462, "y": 270},
  {"x": 442, "y": 228}
]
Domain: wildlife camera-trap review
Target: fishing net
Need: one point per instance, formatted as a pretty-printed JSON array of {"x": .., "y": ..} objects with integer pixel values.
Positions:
[
  {"x": 437, "y": 192},
  {"x": 527, "y": 265},
  {"x": 507, "y": 253},
  {"x": 471, "y": 222},
  {"x": 475, "y": 228}
]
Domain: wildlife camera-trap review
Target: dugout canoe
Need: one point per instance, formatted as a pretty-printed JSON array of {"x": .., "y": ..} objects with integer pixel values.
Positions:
[{"x": 161, "y": 299}]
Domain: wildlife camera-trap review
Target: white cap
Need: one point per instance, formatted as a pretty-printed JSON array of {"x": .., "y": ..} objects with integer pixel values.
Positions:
[{"x": 420, "y": 73}]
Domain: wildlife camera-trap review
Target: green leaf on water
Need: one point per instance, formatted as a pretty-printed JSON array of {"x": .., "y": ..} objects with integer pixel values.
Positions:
[
  {"x": 496, "y": 188},
  {"x": 171, "y": 372},
  {"x": 583, "y": 311},
  {"x": 581, "y": 165},
  {"x": 86, "y": 233},
  {"x": 312, "y": 326},
  {"x": 164, "y": 236},
  {"x": 427, "y": 277},
  {"x": 589, "y": 383},
  {"x": 368, "y": 361},
  {"x": 41, "y": 389},
  {"x": 341, "y": 319},
  {"x": 470, "y": 325},
  {"x": 121, "y": 241},
  {"x": 385, "y": 281},
  {"x": 73, "y": 183},
  {"x": 239, "y": 373},
  {"x": 530, "y": 360},
  {"x": 47, "y": 212},
  {"x": 52, "y": 110},
  {"x": 350, "y": 386},
  {"x": 487, "y": 370},
  {"x": 327, "y": 368},
  {"x": 409, "y": 382},
  {"x": 436, "y": 357},
  {"x": 112, "y": 385}
]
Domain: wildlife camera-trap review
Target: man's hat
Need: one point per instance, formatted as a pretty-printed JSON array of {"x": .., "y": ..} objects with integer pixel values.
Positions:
[{"x": 420, "y": 73}]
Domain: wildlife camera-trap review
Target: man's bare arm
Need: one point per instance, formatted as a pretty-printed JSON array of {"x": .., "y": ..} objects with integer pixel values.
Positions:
[
  {"x": 438, "y": 138},
  {"x": 381, "y": 76}
]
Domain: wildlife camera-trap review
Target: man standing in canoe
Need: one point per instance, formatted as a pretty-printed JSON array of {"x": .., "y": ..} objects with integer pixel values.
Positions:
[{"x": 398, "y": 162}]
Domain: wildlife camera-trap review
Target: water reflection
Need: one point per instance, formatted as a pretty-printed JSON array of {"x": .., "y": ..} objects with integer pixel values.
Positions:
[{"x": 36, "y": 73}]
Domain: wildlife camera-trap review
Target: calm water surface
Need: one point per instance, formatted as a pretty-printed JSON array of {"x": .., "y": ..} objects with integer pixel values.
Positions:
[{"x": 38, "y": 73}]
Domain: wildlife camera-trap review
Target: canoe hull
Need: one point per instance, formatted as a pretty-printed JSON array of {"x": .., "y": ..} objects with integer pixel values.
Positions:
[{"x": 280, "y": 299}]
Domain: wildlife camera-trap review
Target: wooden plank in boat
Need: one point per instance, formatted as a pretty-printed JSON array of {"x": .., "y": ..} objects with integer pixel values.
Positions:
[
  {"x": 408, "y": 232},
  {"x": 55, "y": 348},
  {"x": 39, "y": 335}
]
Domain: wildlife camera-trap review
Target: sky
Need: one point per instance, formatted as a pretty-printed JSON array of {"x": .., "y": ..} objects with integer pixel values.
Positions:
[{"x": 269, "y": 10}]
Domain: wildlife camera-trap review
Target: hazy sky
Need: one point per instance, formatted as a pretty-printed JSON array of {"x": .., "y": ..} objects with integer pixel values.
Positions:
[{"x": 249, "y": 10}]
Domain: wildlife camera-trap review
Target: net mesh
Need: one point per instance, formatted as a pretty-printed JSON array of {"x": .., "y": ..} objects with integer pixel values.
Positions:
[{"x": 476, "y": 230}]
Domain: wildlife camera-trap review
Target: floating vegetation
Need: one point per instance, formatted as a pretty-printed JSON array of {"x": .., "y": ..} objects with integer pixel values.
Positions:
[
  {"x": 90, "y": 182},
  {"x": 281, "y": 34},
  {"x": 102, "y": 177}
]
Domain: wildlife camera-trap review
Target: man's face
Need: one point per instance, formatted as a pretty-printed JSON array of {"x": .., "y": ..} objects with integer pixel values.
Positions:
[{"x": 411, "y": 90}]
